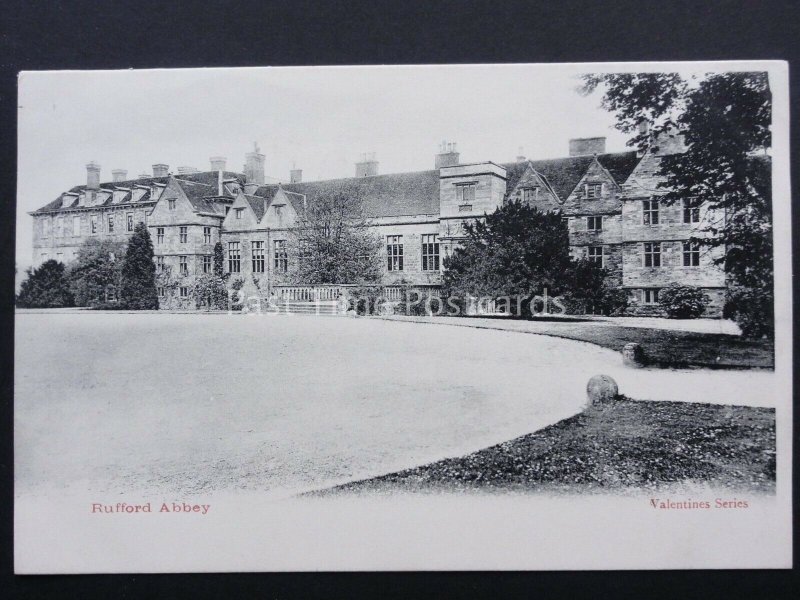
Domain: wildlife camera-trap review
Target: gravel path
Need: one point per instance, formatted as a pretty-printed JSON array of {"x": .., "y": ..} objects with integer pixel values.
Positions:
[{"x": 201, "y": 403}]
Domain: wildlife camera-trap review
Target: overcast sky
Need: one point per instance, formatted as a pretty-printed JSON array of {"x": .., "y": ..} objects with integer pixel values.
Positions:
[{"x": 321, "y": 119}]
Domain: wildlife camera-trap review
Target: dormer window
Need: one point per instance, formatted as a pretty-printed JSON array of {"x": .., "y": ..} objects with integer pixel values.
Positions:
[
  {"x": 594, "y": 190},
  {"x": 171, "y": 202},
  {"x": 279, "y": 210},
  {"x": 239, "y": 213}
]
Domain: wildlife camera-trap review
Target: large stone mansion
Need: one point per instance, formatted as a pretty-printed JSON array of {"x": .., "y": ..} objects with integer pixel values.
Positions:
[{"x": 609, "y": 200}]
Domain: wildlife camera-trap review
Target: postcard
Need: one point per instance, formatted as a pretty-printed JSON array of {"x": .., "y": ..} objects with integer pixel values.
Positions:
[{"x": 452, "y": 317}]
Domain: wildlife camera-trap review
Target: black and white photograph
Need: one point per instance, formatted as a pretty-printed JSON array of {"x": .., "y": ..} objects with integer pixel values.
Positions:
[{"x": 450, "y": 317}]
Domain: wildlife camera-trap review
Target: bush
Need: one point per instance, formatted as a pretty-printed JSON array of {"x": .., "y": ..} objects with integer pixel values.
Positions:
[
  {"x": 366, "y": 299},
  {"x": 683, "y": 301},
  {"x": 236, "y": 285},
  {"x": 420, "y": 306},
  {"x": 753, "y": 311},
  {"x": 45, "y": 287}
]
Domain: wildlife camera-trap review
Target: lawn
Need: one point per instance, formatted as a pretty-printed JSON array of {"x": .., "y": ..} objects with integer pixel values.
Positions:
[
  {"x": 614, "y": 446},
  {"x": 665, "y": 348}
]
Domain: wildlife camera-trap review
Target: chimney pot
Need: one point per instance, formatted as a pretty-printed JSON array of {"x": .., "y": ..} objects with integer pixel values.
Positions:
[
  {"x": 118, "y": 175},
  {"x": 186, "y": 170},
  {"x": 254, "y": 166},
  {"x": 587, "y": 146},
  {"x": 448, "y": 156},
  {"x": 160, "y": 170},
  {"x": 93, "y": 176},
  {"x": 218, "y": 163},
  {"x": 368, "y": 167}
]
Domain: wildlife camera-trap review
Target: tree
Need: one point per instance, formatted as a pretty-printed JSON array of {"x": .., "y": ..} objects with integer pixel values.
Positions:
[
  {"x": 725, "y": 120},
  {"x": 139, "y": 272},
  {"x": 515, "y": 251},
  {"x": 683, "y": 301},
  {"x": 95, "y": 276},
  {"x": 333, "y": 241},
  {"x": 45, "y": 287}
]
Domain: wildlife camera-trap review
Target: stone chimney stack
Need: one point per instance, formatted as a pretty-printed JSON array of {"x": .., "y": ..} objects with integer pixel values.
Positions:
[
  {"x": 254, "y": 166},
  {"x": 448, "y": 155},
  {"x": 218, "y": 163},
  {"x": 93, "y": 176},
  {"x": 160, "y": 170},
  {"x": 587, "y": 146},
  {"x": 186, "y": 170},
  {"x": 296, "y": 176},
  {"x": 368, "y": 166},
  {"x": 118, "y": 175}
]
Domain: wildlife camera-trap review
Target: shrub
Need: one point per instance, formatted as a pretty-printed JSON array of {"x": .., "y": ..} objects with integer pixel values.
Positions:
[
  {"x": 753, "y": 311},
  {"x": 45, "y": 287},
  {"x": 683, "y": 301},
  {"x": 236, "y": 285},
  {"x": 420, "y": 306},
  {"x": 366, "y": 299}
]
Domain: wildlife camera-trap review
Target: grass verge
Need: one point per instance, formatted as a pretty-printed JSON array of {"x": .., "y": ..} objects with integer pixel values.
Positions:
[
  {"x": 664, "y": 348},
  {"x": 613, "y": 446}
]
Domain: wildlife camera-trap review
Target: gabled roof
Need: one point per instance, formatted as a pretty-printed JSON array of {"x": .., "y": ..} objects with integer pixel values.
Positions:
[
  {"x": 563, "y": 174},
  {"x": 393, "y": 195},
  {"x": 208, "y": 178},
  {"x": 199, "y": 195},
  {"x": 258, "y": 205}
]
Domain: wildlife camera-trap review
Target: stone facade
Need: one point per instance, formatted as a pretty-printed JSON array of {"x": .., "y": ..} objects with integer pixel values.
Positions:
[{"x": 609, "y": 202}]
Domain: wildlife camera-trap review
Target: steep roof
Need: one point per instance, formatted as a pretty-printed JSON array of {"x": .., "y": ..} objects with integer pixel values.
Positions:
[
  {"x": 257, "y": 203},
  {"x": 563, "y": 174},
  {"x": 393, "y": 195},
  {"x": 200, "y": 195},
  {"x": 208, "y": 178}
]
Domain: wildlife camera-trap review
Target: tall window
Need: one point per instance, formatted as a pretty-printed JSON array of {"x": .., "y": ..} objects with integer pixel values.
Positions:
[
  {"x": 650, "y": 296},
  {"x": 595, "y": 254},
  {"x": 159, "y": 264},
  {"x": 430, "y": 252},
  {"x": 281, "y": 257},
  {"x": 258, "y": 257},
  {"x": 594, "y": 190},
  {"x": 465, "y": 193},
  {"x": 184, "y": 234},
  {"x": 183, "y": 261},
  {"x": 184, "y": 292},
  {"x": 46, "y": 227},
  {"x": 239, "y": 213},
  {"x": 60, "y": 227},
  {"x": 234, "y": 257},
  {"x": 691, "y": 210},
  {"x": 207, "y": 268},
  {"x": 206, "y": 235},
  {"x": 171, "y": 203},
  {"x": 94, "y": 223},
  {"x": 160, "y": 235},
  {"x": 650, "y": 212},
  {"x": 691, "y": 254},
  {"x": 652, "y": 254},
  {"x": 530, "y": 194},
  {"x": 161, "y": 293},
  {"x": 76, "y": 226},
  {"x": 110, "y": 223},
  {"x": 594, "y": 223},
  {"x": 130, "y": 221},
  {"x": 394, "y": 252}
]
